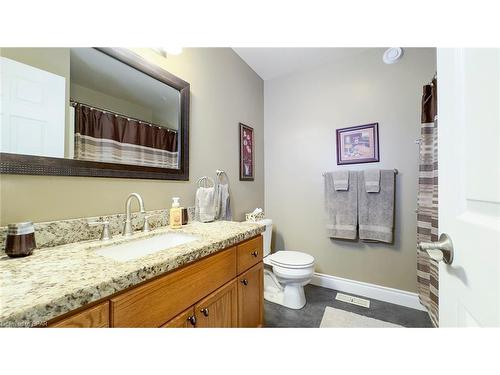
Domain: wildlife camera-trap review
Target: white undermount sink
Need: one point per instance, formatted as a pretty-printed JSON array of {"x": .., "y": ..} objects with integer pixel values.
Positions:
[{"x": 136, "y": 248}]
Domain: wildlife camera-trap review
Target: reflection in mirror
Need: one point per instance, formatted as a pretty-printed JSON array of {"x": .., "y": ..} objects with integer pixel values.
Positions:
[
  {"x": 32, "y": 109},
  {"x": 120, "y": 114},
  {"x": 81, "y": 104}
]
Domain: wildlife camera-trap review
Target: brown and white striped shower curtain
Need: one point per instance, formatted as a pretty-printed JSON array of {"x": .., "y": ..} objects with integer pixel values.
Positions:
[
  {"x": 108, "y": 137},
  {"x": 427, "y": 203}
]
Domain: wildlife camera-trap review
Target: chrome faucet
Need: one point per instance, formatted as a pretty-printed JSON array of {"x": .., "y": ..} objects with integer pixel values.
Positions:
[{"x": 127, "y": 226}]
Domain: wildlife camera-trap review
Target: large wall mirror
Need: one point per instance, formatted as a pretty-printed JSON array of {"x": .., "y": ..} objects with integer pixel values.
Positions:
[{"x": 91, "y": 112}]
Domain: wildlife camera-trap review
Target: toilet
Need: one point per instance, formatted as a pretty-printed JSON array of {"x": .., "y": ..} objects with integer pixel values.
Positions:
[{"x": 286, "y": 274}]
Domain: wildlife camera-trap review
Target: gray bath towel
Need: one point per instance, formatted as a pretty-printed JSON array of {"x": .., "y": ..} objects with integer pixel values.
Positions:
[
  {"x": 205, "y": 204},
  {"x": 341, "y": 180},
  {"x": 376, "y": 210},
  {"x": 372, "y": 180},
  {"x": 341, "y": 207}
]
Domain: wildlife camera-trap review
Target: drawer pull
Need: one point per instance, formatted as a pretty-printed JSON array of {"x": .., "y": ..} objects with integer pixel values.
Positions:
[
  {"x": 255, "y": 253},
  {"x": 192, "y": 320},
  {"x": 244, "y": 282},
  {"x": 204, "y": 311}
]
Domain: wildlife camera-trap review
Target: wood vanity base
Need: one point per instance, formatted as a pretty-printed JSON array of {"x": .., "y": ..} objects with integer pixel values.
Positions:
[{"x": 222, "y": 290}]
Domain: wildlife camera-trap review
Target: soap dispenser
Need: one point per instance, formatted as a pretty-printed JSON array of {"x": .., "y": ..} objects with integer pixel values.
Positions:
[{"x": 175, "y": 214}]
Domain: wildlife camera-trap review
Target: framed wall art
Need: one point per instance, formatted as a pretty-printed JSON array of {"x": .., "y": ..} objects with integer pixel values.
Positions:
[
  {"x": 358, "y": 144},
  {"x": 246, "y": 153}
]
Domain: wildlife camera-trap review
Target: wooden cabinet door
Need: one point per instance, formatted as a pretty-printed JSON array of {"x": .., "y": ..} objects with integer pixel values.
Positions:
[
  {"x": 251, "y": 297},
  {"x": 219, "y": 309},
  {"x": 185, "y": 319},
  {"x": 93, "y": 317}
]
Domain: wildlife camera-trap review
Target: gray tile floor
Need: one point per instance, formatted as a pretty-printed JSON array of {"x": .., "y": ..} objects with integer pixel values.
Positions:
[{"x": 318, "y": 298}]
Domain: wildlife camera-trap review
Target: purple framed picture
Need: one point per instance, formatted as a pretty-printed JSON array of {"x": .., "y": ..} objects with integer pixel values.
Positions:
[
  {"x": 358, "y": 144},
  {"x": 246, "y": 153}
]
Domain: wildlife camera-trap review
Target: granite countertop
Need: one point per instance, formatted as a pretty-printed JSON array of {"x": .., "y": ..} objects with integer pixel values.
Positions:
[{"x": 56, "y": 280}]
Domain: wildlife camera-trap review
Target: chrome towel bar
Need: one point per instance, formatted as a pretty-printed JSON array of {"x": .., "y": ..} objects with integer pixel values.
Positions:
[{"x": 395, "y": 172}]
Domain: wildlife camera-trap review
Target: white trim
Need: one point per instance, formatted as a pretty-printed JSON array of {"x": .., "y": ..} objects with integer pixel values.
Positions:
[{"x": 378, "y": 292}]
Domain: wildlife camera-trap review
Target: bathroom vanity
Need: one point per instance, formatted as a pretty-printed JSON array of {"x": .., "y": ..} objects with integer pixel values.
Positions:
[
  {"x": 215, "y": 281},
  {"x": 221, "y": 290}
]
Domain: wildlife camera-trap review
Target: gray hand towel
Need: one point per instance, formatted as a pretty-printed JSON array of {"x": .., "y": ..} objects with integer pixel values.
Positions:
[
  {"x": 372, "y": 180},
  {"x": 341, "y": 208},
  {"x": 341, "y": 180},
  {"x": 223, "y": 206},
  {"x": 205, "y": 204},
  {"x": 376, "y": 211}
]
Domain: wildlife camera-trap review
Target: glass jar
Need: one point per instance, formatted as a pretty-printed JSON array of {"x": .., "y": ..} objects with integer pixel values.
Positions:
[{"x": 20, "y": 239}]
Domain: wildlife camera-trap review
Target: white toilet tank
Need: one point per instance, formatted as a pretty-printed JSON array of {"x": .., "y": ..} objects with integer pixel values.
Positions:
[{"x": 267, "y": 234}]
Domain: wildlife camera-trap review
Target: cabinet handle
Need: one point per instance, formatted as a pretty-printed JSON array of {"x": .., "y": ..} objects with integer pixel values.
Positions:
[
  {"x": 244, "y": 282},
  {"x": 192, "y": 320},
  {"x": 255, "y": 253},
  {"x": 204, "y": 311}
]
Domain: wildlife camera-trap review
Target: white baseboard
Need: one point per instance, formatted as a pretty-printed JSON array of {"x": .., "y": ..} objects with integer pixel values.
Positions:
[{"x": 381, "y": 293}]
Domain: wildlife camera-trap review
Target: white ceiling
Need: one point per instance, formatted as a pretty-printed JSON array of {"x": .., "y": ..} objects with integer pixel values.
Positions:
[
  {"x": 99, "y": 72},
  {"x": 270, "y": 63}
]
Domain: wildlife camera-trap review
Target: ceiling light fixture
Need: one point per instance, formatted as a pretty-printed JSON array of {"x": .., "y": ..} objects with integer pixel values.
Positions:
[
  {"x": 393, "y": 55},
  {"x": 164, "y": 51}
]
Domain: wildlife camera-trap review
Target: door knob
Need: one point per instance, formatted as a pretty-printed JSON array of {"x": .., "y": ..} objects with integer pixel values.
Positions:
[
  {"x": 204, "y": 311},
  {"x": 244, "y": 282},
  {"x": 192, "y": 320},
  {"x": 440, "y": 250}
]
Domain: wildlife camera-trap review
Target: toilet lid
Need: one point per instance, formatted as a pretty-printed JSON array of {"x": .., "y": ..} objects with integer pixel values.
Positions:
[{"x": 291, "y": 259}]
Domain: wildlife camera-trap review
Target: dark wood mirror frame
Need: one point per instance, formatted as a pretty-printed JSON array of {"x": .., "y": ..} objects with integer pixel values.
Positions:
[{"x": 49, "y": 166}]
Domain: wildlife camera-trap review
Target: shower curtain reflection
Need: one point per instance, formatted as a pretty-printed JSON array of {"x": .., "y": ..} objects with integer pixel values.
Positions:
[{"x": 108, "y": 137}]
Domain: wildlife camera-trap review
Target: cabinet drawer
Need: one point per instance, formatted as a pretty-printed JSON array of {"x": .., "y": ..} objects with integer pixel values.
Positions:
[
  {"x": 158, "y": 301},
  {"x": 249, "y": 253},
  {"x": 94, "y": 317}
]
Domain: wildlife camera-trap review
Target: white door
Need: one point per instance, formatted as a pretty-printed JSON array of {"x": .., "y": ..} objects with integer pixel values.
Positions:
[
  {"x": 469, "y": 185},
  {"x": 32, "y": 110}
]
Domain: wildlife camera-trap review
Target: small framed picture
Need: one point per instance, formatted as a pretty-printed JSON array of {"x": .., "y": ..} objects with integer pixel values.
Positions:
[
  {"x": 358, "y": 144},
  {"x": 246, "y": 153}
]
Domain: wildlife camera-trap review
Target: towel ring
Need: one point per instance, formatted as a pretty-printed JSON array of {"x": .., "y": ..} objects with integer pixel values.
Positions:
[
  {"x": 220, "y": 175},
  {"x": 205, "y": 181}
]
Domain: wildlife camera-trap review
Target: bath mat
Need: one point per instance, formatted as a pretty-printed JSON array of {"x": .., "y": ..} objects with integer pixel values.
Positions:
[{"x": 335, "y": 318}]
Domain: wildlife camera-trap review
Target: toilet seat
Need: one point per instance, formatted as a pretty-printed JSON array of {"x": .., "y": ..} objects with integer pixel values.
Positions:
[{"x": 291, "y": 259}]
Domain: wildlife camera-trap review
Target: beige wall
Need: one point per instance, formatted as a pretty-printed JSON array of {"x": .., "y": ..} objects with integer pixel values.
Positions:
[
  {"x": 92, "y": 97},
  {"x": 224, "y": 91},
  {"x": 302, "y": 112}
]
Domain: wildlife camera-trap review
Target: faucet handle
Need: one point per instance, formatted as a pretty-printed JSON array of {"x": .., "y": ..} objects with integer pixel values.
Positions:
[
  {"x": 105, "y": 235},
  {"x": 146, "y": 227}
]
